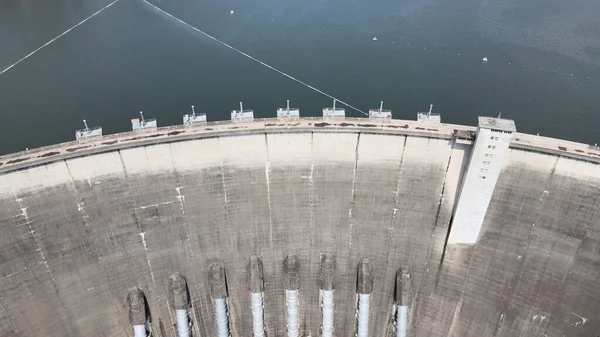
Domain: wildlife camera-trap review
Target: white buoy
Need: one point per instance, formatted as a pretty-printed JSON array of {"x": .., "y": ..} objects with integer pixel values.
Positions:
[
  {"x": 231, "y": 12},
  {"x": 374, "y": 39},
  {"x": 485, "y": 59}
]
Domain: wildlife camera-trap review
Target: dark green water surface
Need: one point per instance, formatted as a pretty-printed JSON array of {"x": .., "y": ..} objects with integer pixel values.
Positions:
[{"x": 543, "y": 69}]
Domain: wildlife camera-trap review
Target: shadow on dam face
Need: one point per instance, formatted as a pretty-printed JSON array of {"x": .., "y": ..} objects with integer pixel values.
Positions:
[{"x": 77, "y": 234}]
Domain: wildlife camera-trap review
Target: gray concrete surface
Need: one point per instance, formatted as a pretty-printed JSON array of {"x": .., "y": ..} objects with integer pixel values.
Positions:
[
  {"x": 217, "y": 280},
  {"x": 78, "y": 229},
  {"x": 364, "y": 277},
  {"x": 403, "y": 286},
  {"x": 178, "y": 290},
  {"x": 136, "y": 304},
  {"x": 256, "y": 280},
  {"x": 327, "y": 274}
]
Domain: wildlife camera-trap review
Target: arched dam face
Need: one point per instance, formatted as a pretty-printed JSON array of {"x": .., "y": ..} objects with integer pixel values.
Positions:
[{"x": 81, "y": 224}]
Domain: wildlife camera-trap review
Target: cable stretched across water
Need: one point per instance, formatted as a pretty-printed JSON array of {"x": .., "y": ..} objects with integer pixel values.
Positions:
[
  {"x": 56, "y": 38},
  {"x": 257, "y": 60}
]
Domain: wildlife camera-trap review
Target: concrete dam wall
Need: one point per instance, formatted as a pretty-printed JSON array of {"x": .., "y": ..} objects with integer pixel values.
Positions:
[{"x": 83, "y": 223}]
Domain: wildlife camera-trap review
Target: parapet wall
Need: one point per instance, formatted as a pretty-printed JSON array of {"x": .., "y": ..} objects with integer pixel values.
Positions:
[
  {"x": 81, "y": 227},
  {"x": 113, "y": 142}
]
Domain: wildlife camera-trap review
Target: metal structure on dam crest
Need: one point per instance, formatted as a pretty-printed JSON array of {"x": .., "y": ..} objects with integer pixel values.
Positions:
[{"x": 281, "y": 227}]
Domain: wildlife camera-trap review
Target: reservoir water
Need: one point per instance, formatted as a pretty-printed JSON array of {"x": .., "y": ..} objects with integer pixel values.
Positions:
[{"x": 543, "y": 66}]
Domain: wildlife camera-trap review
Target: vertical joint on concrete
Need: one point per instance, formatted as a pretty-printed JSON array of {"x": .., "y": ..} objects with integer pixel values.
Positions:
[{"x": 327, "y": 272}]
